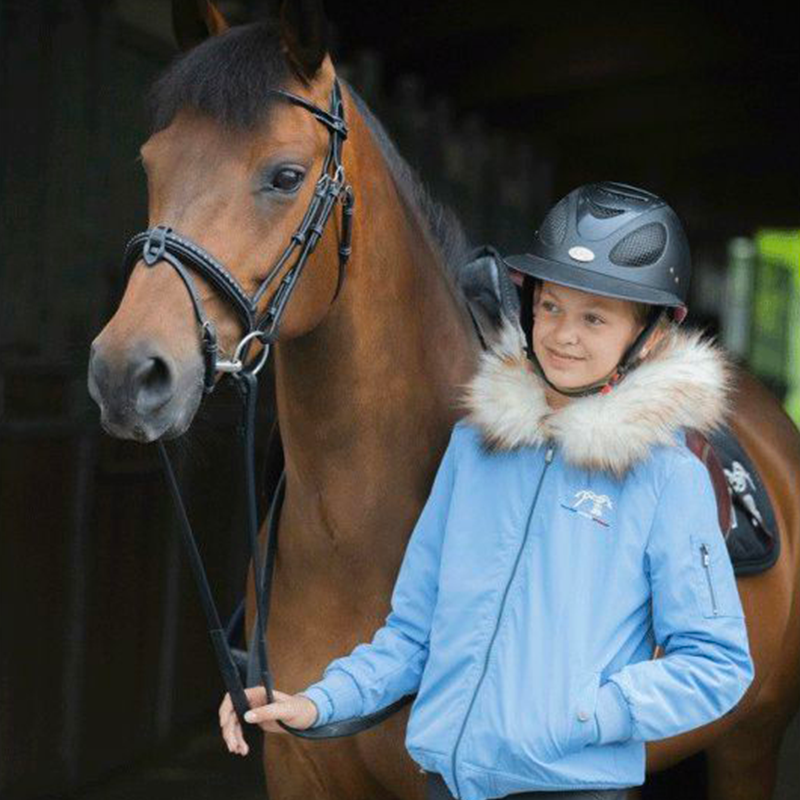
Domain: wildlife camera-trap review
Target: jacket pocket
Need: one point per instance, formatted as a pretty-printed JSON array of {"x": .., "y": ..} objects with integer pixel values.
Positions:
[
  {"x": 579, "y": 726},
  {"x": 713, "y": 577}
]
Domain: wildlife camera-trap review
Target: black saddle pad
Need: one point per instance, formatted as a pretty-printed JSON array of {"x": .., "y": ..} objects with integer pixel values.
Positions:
[{"x": 753, "y": 541}]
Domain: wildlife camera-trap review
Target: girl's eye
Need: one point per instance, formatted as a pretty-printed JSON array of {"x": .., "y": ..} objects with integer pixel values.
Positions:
[
  {"x": 548, "y": 306},
  {"x": 593, "y": 320},
  {"x": 287, "y": 179}
]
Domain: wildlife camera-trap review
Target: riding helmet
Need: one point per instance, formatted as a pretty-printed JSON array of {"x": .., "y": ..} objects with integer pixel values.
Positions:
[{"x": 611, "y": 239}]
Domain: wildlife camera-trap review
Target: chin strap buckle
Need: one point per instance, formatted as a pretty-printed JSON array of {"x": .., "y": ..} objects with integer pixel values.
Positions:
[{"x": 612, "y": 381}]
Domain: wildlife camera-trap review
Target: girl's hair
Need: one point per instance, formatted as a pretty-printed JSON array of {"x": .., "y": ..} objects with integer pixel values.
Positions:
[{"x": 642, "y": 312}]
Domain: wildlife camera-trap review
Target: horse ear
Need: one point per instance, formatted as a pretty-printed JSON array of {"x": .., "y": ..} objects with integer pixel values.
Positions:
[
  {"x": 193, "y": 21},
  {"x": 304, "y": 33}
]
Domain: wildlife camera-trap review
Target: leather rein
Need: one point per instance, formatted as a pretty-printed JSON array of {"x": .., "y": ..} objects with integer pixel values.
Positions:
[{"x": 161, "y": 243}]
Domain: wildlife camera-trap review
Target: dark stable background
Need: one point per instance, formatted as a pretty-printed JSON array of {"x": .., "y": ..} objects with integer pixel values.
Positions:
[{"x": 503, "y": 107}]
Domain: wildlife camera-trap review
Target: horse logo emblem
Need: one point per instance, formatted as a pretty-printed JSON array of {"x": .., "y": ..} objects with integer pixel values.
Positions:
[
  {"x": 597, "y": 503},
  {"x": 740, "y": 480}
]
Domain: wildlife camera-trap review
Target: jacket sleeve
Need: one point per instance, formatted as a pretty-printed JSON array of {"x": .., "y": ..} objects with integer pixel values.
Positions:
[
  {"x": 697, "y": 620},
  {"x": 374, "y": 675}
]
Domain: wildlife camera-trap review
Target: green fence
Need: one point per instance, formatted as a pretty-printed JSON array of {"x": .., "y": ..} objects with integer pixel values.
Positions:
[{"x": 762, "y": 323}]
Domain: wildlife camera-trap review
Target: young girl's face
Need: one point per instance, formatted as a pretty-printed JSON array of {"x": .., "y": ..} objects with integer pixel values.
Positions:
[{"x": 580, "y": 337}]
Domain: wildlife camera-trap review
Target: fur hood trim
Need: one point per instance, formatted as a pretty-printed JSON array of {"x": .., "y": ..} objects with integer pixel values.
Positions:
[{"x": 683, "y": 384}]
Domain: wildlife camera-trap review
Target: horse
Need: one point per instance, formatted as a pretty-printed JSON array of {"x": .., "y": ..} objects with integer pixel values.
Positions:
[{"x": 369, "y": 364}]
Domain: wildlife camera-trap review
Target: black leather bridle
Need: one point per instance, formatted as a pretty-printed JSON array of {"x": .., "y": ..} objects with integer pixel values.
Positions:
[{"x": 161, "y": 243}]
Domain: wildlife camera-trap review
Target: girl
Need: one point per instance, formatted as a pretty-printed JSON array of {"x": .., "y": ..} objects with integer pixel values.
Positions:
[{"x": 568, "y": 532}]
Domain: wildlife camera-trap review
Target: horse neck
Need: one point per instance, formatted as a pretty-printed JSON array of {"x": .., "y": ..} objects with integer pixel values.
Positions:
[{"x": 370, "y": 393}]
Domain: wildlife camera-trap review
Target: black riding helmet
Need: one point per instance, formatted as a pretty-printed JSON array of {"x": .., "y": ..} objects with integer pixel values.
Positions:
[{"x": 615, "y": 240}]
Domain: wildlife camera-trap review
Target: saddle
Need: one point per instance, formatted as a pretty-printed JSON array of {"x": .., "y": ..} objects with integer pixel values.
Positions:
[
  {"x": 745, "y": 512},
  {"x": 490, "y": 293}
]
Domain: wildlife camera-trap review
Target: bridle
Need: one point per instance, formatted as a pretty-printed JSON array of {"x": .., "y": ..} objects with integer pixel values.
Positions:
[{"x": 161, "y": 243}]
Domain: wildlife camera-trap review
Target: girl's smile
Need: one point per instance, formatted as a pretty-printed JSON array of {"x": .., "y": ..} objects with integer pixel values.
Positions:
[
  {"x": 580, "y": 337},
  {"x": 562, "y": 361}
]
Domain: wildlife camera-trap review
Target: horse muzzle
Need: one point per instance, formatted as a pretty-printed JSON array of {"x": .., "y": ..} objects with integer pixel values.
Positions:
[{"x": 143, "y": 393}]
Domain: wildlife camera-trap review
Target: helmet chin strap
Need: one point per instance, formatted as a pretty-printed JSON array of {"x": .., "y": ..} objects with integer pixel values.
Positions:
[{"x": 629, "y": 361}]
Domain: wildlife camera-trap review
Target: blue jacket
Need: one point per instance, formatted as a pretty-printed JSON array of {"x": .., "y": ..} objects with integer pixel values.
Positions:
[{"x": 550, "y": 559}]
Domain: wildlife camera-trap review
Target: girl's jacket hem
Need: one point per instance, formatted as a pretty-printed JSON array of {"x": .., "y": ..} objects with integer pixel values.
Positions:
[{"x": 555, "y": 551}]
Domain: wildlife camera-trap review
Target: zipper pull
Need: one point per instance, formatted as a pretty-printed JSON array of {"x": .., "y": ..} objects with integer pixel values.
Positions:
[
  {"x": 548, "y": 456},
  {"x": 706, "y": 557}
]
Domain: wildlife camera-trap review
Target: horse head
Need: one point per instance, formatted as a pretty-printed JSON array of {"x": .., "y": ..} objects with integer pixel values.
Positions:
[{"x": 233, "y": 166}]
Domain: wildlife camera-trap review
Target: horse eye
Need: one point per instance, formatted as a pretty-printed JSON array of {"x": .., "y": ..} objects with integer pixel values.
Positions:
[{"x": 287, "y": 179}]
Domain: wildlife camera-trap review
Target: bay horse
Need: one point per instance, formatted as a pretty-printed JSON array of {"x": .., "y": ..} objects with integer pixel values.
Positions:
[{"x": 367, "y": 373}]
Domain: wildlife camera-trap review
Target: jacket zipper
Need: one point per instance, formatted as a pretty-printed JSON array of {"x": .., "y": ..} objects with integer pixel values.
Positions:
[
  {"x": 707, "y": 568},
  {"x": 548, "y": 457}
]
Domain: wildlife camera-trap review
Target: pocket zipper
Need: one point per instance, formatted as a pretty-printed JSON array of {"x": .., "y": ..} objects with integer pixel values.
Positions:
[{"x": 707, "y": 568}]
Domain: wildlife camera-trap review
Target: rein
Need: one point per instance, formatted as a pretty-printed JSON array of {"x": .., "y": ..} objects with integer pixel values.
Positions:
[{"x": 161, "y": 243}]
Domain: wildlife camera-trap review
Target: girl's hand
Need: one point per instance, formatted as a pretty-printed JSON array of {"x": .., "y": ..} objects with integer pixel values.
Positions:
[{"x": 296, "y": 710}]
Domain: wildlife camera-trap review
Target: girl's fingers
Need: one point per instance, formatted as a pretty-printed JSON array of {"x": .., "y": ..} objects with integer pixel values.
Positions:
[
  {"x": 235, "y": 738},
  {"x": 264, "y": 715},
  {"x": 284, "y": 709},
  {"x": 270, "y": 713},
  {"x": 231, "y": 729},
  {"x": 257, "y": 696},
  {"x": 225, "y": 709},
  {"x": 230, "y": 740},
  {"x": 229, "y": 734}
]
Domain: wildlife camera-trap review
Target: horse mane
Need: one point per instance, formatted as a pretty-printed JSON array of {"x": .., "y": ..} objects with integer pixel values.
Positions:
[
  {"x": 442, "y": 222},
  {"x": 230, "y": 78}
]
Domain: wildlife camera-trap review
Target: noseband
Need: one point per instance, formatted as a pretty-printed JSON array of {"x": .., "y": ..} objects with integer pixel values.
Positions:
[{"x": 162, "y": 243}]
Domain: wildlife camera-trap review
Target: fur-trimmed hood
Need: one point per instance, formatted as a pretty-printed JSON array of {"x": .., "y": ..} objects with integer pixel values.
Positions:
[{"x": 683, "y": 384}]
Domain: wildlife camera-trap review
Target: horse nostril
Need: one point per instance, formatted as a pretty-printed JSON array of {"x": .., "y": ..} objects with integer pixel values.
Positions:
[{"x": 151, "y": 385}]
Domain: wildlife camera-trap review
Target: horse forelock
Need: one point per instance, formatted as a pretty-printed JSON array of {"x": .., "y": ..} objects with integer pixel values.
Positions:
[{"x": 229, "y": 77}]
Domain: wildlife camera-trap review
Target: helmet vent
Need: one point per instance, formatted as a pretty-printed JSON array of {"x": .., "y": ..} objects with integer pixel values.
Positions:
[
  {"x": 554, "y": 227},
  {"x": 617, "y": 192},
  {"x": 603, "y": 212},
  {"x": 640, "y": 248}
]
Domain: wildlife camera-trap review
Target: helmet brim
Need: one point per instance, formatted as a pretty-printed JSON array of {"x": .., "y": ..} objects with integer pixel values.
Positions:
[{"x": 588, "y": 280}]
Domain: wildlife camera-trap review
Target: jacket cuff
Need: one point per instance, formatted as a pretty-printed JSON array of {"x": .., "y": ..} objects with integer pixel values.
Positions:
[
  {"x": 336, "y": 697},
  {"x": 613, "y": 715}
]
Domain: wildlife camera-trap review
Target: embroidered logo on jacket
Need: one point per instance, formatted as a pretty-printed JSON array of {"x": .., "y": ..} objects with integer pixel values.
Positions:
[{"x": 595, "y": 512}]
